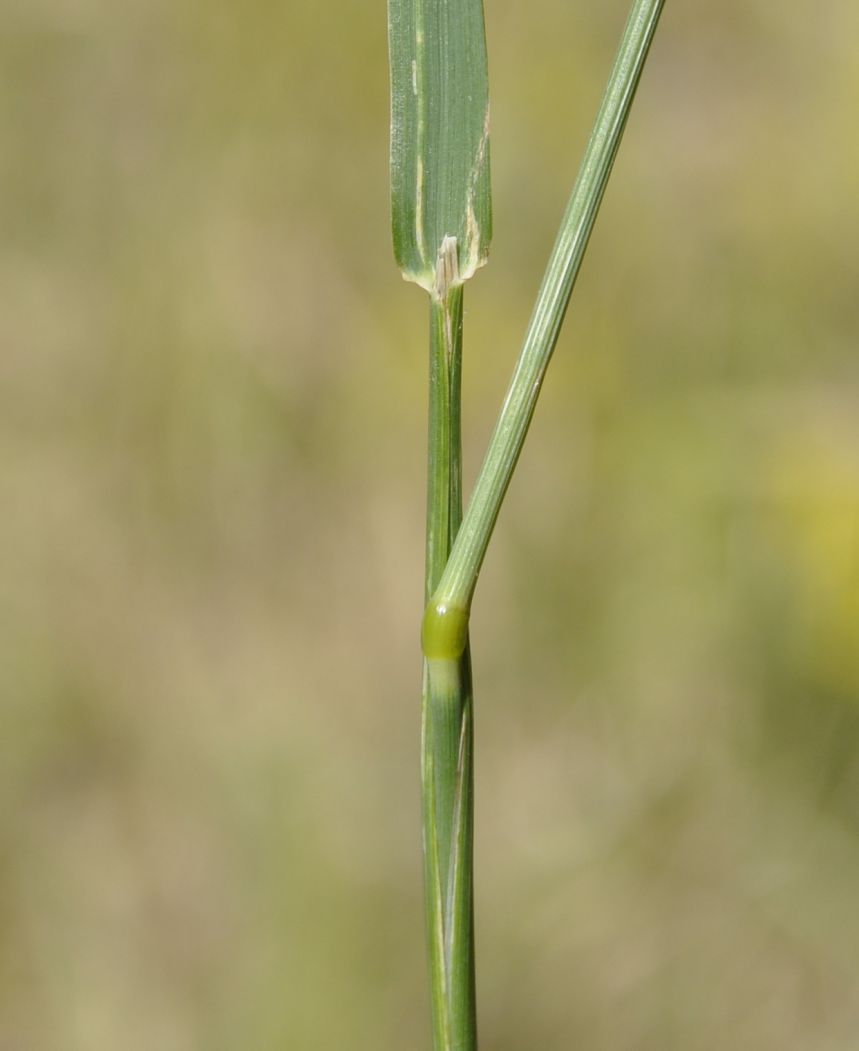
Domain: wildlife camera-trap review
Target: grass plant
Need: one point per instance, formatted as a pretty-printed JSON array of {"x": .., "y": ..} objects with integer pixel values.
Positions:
[{"x": 442, "y": 219}]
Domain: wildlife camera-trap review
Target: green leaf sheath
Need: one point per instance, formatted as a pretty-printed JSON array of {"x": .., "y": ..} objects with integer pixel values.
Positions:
[
  {"x": 439, "y": 136},
  {"x": 456, "y": 587},
  {"x": 444, "y": 498},
  {"x": 447, "y": 760},
  {"x": 447, "y": 736}
]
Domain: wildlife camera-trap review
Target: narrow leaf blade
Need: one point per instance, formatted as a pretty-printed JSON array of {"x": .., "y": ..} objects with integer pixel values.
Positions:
[{"x": 439, "y": 139}]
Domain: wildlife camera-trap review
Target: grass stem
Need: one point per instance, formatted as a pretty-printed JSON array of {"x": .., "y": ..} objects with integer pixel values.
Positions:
[
  {"x": 456, "y": 587},
  {"x": 447, "y": 734}
]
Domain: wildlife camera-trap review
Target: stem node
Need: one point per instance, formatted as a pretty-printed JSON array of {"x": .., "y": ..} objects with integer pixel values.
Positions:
[{"x": 444, "y": 632}]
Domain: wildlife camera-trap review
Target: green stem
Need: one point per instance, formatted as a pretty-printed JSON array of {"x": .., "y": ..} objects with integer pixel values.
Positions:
[
  {"x": 447, "y": 738},
  {"x": 455, "y": 551},
  {"x": 447, "y": 612}
]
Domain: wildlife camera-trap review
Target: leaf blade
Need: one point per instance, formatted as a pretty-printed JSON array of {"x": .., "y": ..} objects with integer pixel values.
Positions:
[{"x": 440, "y": 186}]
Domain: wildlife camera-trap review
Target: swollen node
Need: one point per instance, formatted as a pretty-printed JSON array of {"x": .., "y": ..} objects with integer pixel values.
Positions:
[{"x": 444, "y": 632}]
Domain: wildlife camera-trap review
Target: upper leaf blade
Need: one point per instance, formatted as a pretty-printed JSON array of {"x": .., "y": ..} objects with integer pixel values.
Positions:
[{"x": 439, "y": 139}]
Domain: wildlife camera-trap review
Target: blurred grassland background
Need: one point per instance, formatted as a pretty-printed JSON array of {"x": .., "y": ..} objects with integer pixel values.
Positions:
[{"x": 212, "y": 401}]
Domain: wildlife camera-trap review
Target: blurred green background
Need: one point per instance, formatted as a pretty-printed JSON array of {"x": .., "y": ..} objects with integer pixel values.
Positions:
[{"x": 212, "y": 400}]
